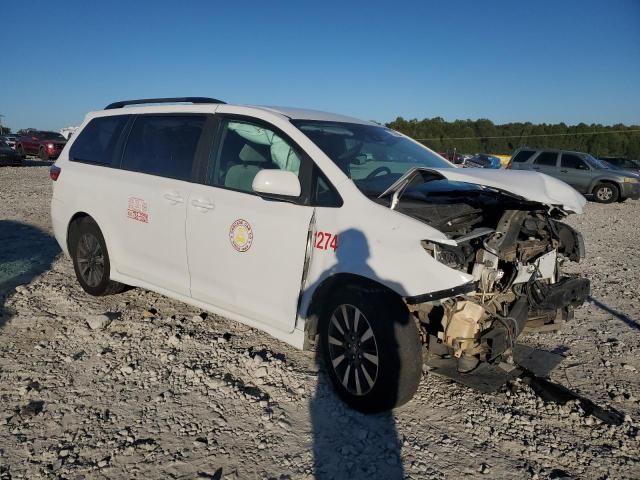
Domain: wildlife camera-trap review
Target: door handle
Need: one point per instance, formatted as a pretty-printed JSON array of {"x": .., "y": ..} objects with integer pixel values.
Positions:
[
  {"x": 174, "y": 198},
  {"x": 536, "y": 168},
  {"x": 564, "y": 171},
  {"x": 202, "y": 204}
]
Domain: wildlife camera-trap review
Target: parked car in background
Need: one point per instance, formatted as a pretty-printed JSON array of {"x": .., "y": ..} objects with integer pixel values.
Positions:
[
  {"x": 482, "y": 160},
  {"x": 454, "y": 157},
  {"x": 623, "y": 163},
  {"x": 582, "y": 171},
  {"x": 43, "y": 144},
  {"x": 8, "y": 156},
  {"x": 9, "y": 139}
]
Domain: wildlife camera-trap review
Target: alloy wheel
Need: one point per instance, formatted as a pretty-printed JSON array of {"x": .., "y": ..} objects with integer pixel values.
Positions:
[
  {"x": 353, "y": 350},
  {"x": 605, "y": 193},
  {"x": 90, "y": 259}
]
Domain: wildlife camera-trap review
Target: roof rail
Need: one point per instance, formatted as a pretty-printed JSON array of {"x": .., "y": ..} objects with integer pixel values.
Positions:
[{"x": 141, "y": 101}]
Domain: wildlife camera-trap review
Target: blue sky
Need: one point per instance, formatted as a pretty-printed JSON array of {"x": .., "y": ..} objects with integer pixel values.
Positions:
[{"x": 538, "y": 61}]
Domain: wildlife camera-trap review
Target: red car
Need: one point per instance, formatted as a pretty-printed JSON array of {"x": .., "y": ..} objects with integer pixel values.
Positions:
[{"x": 45, "y": 145}]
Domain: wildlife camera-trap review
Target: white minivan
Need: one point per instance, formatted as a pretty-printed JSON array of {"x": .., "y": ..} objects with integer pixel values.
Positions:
[{"x": 320, "y": 229}]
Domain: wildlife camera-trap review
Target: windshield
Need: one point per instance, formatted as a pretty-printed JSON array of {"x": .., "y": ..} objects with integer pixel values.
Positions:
[
  {"x": 372, "y": 156},
  {"x": 597, "y": 163}
]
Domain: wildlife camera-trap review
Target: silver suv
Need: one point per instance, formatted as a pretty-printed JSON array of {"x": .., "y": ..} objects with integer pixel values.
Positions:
[{"x": 583, "y": 172}]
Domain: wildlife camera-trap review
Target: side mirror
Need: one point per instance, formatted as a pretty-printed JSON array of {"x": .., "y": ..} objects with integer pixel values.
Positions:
[{"x": 276, "y": 183}]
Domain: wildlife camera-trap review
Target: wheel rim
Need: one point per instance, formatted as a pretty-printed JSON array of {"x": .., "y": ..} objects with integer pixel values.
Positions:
[
  {"x": 90, "y": 259},
  {"x": 353, "y": 350},
  {"x": 605, "y": 193}
]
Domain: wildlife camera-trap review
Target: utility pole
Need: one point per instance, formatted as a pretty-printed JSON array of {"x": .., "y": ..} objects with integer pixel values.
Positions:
[{"x": 1, "y": 117}]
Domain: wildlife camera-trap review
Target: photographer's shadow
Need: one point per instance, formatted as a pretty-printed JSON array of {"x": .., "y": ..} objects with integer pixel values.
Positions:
[
  {"x": 348, "y": 444},
  {"x": 25, "y": 253}
]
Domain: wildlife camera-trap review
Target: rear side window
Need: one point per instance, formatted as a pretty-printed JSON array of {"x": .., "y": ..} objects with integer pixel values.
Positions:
[
  {"x": 163, "y": 145},
  {"x": 572, "y": 161},
  {"x": 97, "y": 141},
  {"x": 546, "y": 158},
  {"x": 523, "y": 155}
]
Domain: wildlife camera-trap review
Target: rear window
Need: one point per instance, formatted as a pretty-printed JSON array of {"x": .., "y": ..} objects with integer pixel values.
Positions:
[
  {"x": 163, "y": 145},
  {"x": 97, "y": 141},
  {"x": 546, "y": 158},
  {"x": 523, "y": 155}
]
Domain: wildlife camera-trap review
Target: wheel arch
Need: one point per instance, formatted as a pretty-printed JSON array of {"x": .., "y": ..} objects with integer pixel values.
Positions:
[
  {"x": 326, "y": 288},
  {"x": 73, "y": 221},
  {"x": 600, "y": 180}
]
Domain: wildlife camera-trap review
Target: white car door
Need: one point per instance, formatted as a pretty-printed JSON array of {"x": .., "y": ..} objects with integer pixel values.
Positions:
[
  {"x": 153, "y": 188},
  {"x": 246, "y": 253}
]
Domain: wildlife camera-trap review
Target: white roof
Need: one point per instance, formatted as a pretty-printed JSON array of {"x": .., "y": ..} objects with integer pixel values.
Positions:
[
  {"x": 289, "y": 112},
  {"x": 307, "y": 114}
]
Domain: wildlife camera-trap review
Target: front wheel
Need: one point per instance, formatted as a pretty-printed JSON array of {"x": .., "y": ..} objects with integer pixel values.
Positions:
[
  {"x": 371, "y": 348},
  {"x": 91, "y": 259},
  {"x": 43, "y": 155},
  {"x": 606, "y": 193}
]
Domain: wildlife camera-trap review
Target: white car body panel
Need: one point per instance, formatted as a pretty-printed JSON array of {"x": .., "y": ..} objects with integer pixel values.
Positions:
[
  {"x": 262, "y": 282},
  {"x": 184, "y": 250}
]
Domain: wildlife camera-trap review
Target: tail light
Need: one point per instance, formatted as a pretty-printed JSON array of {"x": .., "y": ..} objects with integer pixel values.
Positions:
[{"x": 54, "y": 172}]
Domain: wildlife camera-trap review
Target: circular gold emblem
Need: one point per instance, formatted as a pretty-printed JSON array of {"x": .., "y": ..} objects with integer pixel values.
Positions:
[{"x": 241, "y": 235}]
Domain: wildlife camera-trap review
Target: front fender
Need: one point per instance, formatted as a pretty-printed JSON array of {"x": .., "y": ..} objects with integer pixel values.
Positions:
[{"x": 381, "y": 245}]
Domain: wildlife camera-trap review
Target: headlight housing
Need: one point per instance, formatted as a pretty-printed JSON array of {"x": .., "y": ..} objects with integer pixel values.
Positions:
[{"x": 452, "y": 257}]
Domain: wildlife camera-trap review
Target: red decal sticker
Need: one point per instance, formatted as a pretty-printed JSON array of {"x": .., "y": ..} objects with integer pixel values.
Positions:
[
  {"x": 326, "y": 240},
  {"x": 137, "y": 210}
]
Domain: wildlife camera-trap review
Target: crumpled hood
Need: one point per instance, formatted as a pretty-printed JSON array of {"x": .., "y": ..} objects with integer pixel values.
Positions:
[{"x": 532, "y": 186}]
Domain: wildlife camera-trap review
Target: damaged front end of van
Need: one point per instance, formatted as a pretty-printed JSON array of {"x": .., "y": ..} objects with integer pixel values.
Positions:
[{"x": 504, "y": 230}]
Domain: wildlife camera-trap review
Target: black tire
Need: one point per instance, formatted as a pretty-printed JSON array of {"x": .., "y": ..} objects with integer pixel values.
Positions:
[
  {"x": 90, "y": 259},
  {"x": 622, "y": 199},
  {"x": 43, "y": 155},
  {"x": 384, "y": 330},
  {"x": 20, "y": 151},
  {"x": 606, "y": 193}
]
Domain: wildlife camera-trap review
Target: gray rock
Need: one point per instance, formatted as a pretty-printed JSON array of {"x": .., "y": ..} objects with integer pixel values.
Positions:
[{"x": 98, "y": 322}]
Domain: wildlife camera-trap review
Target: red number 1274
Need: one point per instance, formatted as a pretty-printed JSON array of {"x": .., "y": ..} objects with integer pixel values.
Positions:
[{"x": 326, "y": 240}]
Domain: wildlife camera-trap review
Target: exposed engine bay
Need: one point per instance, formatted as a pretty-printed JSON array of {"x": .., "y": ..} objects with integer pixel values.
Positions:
[{"x": 514, "y": 249}]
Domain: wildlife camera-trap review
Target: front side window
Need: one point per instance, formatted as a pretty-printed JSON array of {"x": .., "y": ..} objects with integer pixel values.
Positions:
[
  {"x": 572, "y": 161},
  {"x": 96, "y": 143},
  {"x": 163, "y": 145},
  {"x": 372, "y": 156},
  {"x": 246, "y": 148},
  {"x": 546, "y": 158}
]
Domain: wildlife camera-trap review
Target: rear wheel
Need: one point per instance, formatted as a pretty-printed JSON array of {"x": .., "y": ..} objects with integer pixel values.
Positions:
[
  {"x": 90, "y": 259},
  {"x": 371, "y": 348},
  {"x": 606, "y": 193},
  {"x": 42, "y": 154}
]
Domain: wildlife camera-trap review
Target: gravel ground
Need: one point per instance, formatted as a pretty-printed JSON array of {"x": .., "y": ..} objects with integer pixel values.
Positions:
[{"x": 140, "y": 386}]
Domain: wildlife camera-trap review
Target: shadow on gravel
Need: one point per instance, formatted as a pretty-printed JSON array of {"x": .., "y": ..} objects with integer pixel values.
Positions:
[
  {"x": 346, "y": 443},
  {"x": 25, "y": 252},
  {"x": 36, "y": 162},
  {"x": 619, "y": 315}
]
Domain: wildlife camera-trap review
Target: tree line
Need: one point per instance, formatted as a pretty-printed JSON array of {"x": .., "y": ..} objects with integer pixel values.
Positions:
[{"x": 479, "y": 136}]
